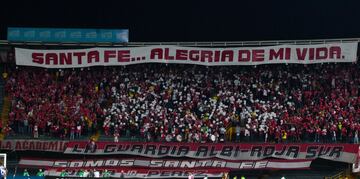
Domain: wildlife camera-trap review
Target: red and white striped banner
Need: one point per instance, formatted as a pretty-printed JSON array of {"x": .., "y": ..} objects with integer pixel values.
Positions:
[
  {"x": 227, "y": 151},
  {"x": 158, "y": 168},
  {"x": 144, "y": 173},
  {"x": 114, "y": 163}
]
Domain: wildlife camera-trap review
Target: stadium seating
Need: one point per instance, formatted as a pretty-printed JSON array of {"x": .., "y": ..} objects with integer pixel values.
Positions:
[{"x": 187, "y": 103}]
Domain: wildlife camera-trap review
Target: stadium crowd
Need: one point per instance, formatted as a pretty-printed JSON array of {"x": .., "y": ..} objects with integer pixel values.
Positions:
[{"x": 158, "y": 102}]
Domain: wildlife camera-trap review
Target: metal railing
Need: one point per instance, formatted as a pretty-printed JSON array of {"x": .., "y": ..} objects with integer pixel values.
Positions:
[
  {"x": 192, "y": 44},
  {"x": 340, "y": 175}
]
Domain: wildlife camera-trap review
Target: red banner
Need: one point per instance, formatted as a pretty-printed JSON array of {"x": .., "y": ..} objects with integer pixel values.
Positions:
[{"x": 227, "y": 151}]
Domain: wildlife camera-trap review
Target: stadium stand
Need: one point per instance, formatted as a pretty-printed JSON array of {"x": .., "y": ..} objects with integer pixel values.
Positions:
[
  {"x": 274, "y": 120},
  {"x": 157, "y": 102}
]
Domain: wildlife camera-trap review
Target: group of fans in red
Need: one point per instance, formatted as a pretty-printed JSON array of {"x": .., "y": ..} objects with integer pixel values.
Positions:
[{"x": 187, "y": 103}]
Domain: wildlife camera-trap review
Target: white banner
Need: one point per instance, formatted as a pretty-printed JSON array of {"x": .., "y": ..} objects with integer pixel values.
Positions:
[{"x": 283, "y": 54}]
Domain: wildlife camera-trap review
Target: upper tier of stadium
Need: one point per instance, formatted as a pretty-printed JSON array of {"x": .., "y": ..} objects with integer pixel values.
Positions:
[{"x": 177, "y": 102}]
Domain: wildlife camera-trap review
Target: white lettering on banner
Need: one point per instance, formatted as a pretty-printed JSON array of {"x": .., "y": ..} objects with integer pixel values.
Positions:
[{"x": 283, "y": 54}]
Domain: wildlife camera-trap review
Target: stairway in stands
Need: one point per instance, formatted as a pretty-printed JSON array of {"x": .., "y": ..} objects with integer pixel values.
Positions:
[
  {"x": 4, "y": 113},
  {"x": 342, "y": 175},
  {"x": 96, "y": 136},
  {"x": 2, "y": 93},
  {"x": 4, "y": 104}
]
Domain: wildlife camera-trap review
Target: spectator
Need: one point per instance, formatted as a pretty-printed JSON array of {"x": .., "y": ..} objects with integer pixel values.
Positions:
[
  {"x": 96, "y": 173},
  {"x": 81, "y": 173},
  {"x": 106, "y": 174},
  {"x": 356, "y": 137},
  {"x": 36, "y": 131},
  {"x": 116, "y": 137},
  {"x": 40, "y": 173},
  {"x": 186, "y": 103},
  {"x": 64, "y": 173},
  {"x": 86, "y": 173},
  {"x": 122, "y": 174},
  {"x": 26, "y": 173}
]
